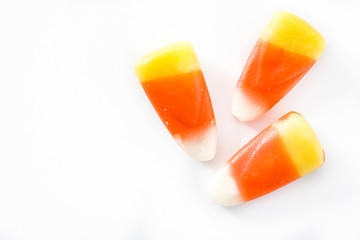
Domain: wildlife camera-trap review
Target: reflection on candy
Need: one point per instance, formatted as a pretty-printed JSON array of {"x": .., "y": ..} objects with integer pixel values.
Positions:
[
  {"x": 284, "y": 53},
  {"x": 285, "y": 151},
  {"x": 175, "y": 85}
]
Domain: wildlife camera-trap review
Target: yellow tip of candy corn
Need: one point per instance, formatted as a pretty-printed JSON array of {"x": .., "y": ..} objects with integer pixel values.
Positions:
[
  {"x": 171, "y": 60},
  {"x": 294, "y": 34},
  {"x": 301, "y": 143}
]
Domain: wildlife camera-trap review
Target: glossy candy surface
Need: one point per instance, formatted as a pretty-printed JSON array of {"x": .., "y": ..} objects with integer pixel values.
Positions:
[
  {"x": 175, "y": 85},
  {"x": 285, "y": 151},
  {"x": 284, "y": 53}
]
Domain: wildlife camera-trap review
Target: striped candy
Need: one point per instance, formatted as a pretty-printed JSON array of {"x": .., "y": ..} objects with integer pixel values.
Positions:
[
  {"x": 174, "y": 83},
  {"x": 285, "y": 151},
  {"x": 284, "y": 53}
]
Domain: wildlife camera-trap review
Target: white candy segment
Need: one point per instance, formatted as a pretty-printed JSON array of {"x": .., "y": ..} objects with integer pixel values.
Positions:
[
  {"x": 201, "y": 147},
  {"x": 223, "y": 190},
  {"x": 244, "y": 108}
]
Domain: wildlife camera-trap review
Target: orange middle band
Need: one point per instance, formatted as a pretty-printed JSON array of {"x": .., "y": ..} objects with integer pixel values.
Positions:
[
  {"x": 267, "y": 170},
  {"x": 182, "y": 101},
  {"x": 272, "y": 72}
]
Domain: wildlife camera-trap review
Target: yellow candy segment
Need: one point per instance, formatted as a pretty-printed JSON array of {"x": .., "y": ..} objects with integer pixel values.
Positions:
[
  {"x": 171, "y": 60},
  {"x": 294, "y": 34},
  {"x": 301, "y": 143}
]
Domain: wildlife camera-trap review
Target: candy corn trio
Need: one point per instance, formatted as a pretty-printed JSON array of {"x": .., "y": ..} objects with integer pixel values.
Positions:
[{"x": 285, "y": 151}]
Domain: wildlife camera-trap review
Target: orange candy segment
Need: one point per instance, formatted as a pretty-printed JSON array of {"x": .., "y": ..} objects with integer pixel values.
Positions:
[
  {"x": 285, "y": 52},
  {"x": 282, "y": 153},
  {"x": 272, "y": 73},
  {"x": 174, "y": 83},
  {"x": 267, "y": 170}
]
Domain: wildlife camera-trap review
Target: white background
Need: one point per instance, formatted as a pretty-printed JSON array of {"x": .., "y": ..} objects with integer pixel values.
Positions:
[{"x": 84, "y": 156}]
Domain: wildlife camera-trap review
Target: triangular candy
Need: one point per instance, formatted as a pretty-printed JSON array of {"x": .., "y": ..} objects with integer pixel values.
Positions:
[
  {"x": 284, "y": 53},
  {"x": 174, "y": 83},
  {"x": 285, "y": 151}
]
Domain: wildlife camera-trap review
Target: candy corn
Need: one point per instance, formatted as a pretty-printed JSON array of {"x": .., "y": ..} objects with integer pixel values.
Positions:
[
  {"x": 284, "y": 53},
  {"x": 175, "y": 85},
  {"x": 285, "y": 151}
]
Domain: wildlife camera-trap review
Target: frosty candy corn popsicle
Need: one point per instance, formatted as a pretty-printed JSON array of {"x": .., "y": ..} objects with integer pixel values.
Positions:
[
  {"x": 174, "y": 83},
  {"x": 284, "y": 53},
  {"x": 285, "y": 151}
]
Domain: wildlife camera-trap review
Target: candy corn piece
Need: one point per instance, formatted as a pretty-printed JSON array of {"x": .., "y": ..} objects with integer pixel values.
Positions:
[
  {"x": 284, "y": 53},
  {"x": 285, "y": 151},
  {"x": 174, "y": 83}
]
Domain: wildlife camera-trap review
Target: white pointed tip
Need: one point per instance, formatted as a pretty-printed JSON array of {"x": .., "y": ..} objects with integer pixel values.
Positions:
[
  {"x": 202, "y": 147},
  {"x": 244, "y": 108},
  {"x": 223, "y": 190}
]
